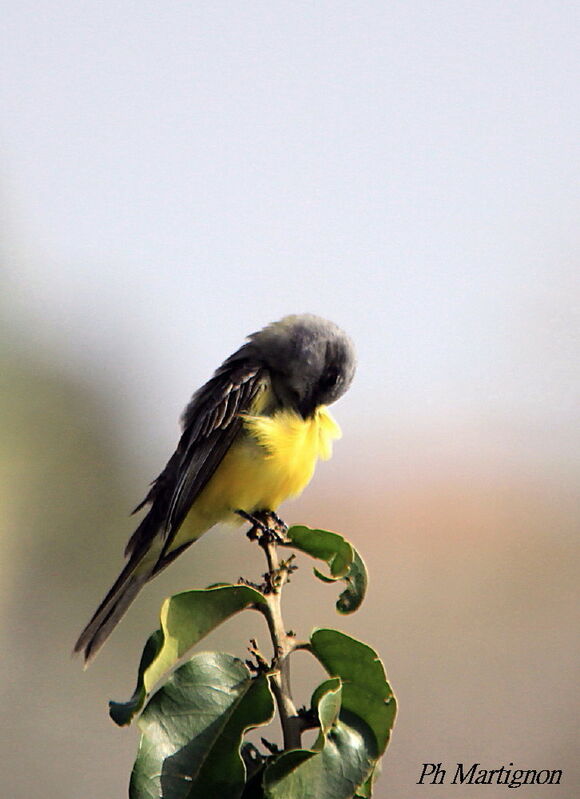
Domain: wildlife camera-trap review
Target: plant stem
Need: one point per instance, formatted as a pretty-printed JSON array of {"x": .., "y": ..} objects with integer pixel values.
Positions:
[{"x": 283, "y": 645}]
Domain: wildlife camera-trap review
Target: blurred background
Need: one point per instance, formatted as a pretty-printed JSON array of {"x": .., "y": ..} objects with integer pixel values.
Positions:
[{"x": 174, "y": 176}]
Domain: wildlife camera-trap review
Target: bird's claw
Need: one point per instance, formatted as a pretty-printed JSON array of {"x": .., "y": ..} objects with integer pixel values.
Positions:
[
  {"x": 266, "y": 526},
  {"x": 257, "y": 529},
  {"x": 280, "y": 524}
]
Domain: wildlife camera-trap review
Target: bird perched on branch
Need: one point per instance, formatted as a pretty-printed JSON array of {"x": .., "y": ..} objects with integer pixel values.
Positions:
[{"x": 251, "y": 438}]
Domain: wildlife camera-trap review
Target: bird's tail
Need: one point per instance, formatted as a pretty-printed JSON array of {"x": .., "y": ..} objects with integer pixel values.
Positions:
[{"x": 136, "y": 573}]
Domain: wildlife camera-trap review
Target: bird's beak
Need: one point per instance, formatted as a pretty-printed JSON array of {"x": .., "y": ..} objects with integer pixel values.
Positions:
[{"x": 307, "y": 407}]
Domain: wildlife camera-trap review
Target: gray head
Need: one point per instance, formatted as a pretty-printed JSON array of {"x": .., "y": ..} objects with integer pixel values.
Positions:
[{"x": 311, "y": 360}]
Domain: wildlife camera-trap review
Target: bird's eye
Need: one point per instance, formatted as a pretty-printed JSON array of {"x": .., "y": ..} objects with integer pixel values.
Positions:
[{"x": 329, "y": 378}]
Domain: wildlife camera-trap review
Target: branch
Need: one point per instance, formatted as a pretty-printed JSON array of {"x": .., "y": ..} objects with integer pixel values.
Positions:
[{"x": 283, "y": 643}]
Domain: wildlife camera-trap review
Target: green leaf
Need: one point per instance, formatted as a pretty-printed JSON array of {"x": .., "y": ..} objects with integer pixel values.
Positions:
[
  {"x": 365, "y": 690},
  {"x": 255, "y": 763},
  {"x": 192, "y": 730},
  {"x": 324, "y": 545},
  {"x": 122, "y": 712},
  {"x": 356, "y": 586},
  {"x": 253, "y": 788},
  {"x": 356, "y": 711},
  {"x": 341, "y": 759},
  {"x": 186, "y": 618},
  {"x": 343, "y": 561},
  {"x": 365, "y": 791},
  {"x": 328, "y": 701},
  {"x": 328, "y": 685}
]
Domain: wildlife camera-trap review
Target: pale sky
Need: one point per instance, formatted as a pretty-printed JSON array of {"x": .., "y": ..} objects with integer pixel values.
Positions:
[{"x": 176, "y": 175}]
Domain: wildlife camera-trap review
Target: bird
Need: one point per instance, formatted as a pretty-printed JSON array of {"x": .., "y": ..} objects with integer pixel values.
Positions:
[{"x": 251, "y": 438}]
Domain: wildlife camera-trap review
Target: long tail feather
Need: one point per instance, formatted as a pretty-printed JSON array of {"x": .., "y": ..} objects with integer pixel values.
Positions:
[{"x": 131, "y": 580}]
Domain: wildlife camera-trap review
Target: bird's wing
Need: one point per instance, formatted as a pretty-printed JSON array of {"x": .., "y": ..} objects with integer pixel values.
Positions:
[{"x": 211, "y": 422}]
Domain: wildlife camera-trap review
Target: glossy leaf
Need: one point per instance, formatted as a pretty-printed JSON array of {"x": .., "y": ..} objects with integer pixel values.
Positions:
[
  {"x": 356, "y": 586},
  {"x": 192, "y": 730},
  {"x": 343, "y": 561},
  {"x": 255, "y": 762},
  {"x": 326, "y": 701},
  {"x": 123, "y": 712},
  {"x": 365, "y": 690},
  {"x": 324, "y": 545},
  {"x": 186, "y": 618},
  {"x": 365, "y": 791},
  {"x": 341, "y": 759}
]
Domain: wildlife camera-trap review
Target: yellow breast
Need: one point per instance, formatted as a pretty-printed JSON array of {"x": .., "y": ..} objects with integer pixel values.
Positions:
[
  {"x": 290, "y": 447},
  {"x": 275, "y": 460}
]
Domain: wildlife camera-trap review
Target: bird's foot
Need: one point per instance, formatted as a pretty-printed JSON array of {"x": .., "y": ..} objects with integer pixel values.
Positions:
[
  {"x": 277, "y": 528},
  {"x": 267, "y": 526},
  {"x": 279, "y": 524},
  {"x": 258, "y": 528},
  {"x": 271, "y": 518}
]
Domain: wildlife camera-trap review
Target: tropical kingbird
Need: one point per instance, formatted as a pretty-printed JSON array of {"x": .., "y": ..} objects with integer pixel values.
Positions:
[{"x": 251, "y": 438}]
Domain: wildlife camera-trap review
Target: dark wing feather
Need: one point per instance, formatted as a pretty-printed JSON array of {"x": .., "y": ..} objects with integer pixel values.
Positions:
[{"x": 211, "y": 422}]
